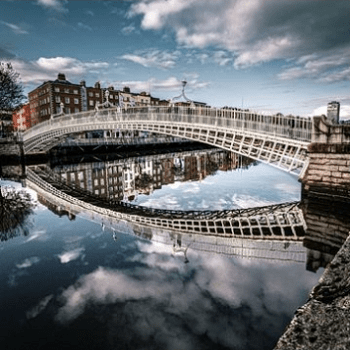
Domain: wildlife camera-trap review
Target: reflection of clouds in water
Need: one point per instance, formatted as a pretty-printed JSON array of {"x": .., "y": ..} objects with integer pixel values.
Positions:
[
  {"x": 289, "y": 189},
  {"x": 71, "y": 255},
  {"x": 37, "y": 309},
  {"x": 246, "y": 201},
  {"x": 40, "y": 235},
  {"x": 165, "y": 202},
  {"x": 15, "y": 275},
  {"x": 28, "y": 262},
  {"x": 192, "y": 188},
  {"x": 229, "y": 302},
  {"x": 21, "y": 270},
  {"x": 175, "y": 185}
]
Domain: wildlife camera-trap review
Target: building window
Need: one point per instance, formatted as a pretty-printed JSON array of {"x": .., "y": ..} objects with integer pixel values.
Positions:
[
  {"x": 57, "y": 89},
  {"x": 102, "y": 182},
  {"x": 67, "y": 100},
  {"x": 91, "y": 103},
  {"x": 76, "y": 101},
  {"x": 97, "y": 94},
  {"x": 91, "y": 94},
  {"x": 67, "y": 110},
  {"x": 76, "y": 92},
  {"x": 58, "y": 110},
  {"x": 95, "y": 182},
  {"x": 102, "y": 190},
  {"x": 58, "y": 99},
  {"x": 66, "y": 91},
  {"x": 72, "y": 176},
  {"x": 76, "y": 110}
]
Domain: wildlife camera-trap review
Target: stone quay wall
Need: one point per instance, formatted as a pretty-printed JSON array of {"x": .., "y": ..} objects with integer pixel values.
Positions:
[
  {"x": 328, "y": 172},
  {"x": 8, "y": 149},
  {"x": 328, "y": 226},
  {"x": 323, "y": 323}
]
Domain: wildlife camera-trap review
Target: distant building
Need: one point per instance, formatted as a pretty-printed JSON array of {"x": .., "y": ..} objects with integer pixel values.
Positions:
[
  {"x": 21, "y": 118},
  {"x": 333, "y": 109},
  {"x": 46, "y": 100}
]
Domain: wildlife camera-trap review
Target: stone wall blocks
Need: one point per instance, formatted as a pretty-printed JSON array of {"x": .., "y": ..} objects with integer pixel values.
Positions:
[
  {"x": 316, "y": 178},
  {"x": 336, "y": 174}
]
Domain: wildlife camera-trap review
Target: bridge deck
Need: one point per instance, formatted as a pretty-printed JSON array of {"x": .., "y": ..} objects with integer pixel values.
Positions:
[{"x": 278, "y": 141}]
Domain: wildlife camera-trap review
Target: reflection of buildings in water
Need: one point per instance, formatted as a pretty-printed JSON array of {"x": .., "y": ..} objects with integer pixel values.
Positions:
[
  {"x": 56, "y": 209},
  {"x": 328, "y": 226},
  {"x": 122, "y": 179}
]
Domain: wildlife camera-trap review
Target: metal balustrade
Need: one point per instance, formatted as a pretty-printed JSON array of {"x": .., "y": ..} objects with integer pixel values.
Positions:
[
  {"x": 276, "y": 140},
  {"x": 276, "y": 222}
]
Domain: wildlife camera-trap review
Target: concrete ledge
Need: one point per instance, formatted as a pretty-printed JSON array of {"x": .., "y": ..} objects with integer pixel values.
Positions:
[{"x": 324, "y": 321}]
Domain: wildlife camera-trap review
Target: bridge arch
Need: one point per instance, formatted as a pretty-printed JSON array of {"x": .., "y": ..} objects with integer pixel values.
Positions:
[{"x": 278, "y": 141}]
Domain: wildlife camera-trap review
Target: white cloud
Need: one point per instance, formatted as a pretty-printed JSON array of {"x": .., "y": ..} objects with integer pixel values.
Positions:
[
  {"x": 56, "y": 5},
  {"x": 46, "y": 68},
  {"x": 15, "y": 28},
  {"x": 156, "y": 12},
  {"x": 154, "y": 58},
  {"x": 222, "y": 58},
  {"x": 84, "y": 26},
  {"x": 326, "y": 67},
  {"x": 89, "y": 12},
  {"x": 259, "y": 31},
  {"x": 129, "y": 29},
  {"x": 169, "y": 84}
]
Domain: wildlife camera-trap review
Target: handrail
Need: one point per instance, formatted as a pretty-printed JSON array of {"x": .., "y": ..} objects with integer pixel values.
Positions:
[{"x": 297, "y": 128}]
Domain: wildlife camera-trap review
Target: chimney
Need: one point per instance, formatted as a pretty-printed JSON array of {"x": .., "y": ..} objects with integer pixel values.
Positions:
[
  {"x": 83, "y": 83},
  {"x": 126, "y": 89},
  {"x": 97, "y": 85},
  {"x": 61, "y": 76}
]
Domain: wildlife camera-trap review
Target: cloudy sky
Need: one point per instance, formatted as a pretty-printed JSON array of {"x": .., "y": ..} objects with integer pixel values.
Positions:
[{"x": 268, "y": 55}]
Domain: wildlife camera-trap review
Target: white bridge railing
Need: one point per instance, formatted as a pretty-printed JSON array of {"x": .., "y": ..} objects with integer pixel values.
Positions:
[{"x": 290, "y": 127}]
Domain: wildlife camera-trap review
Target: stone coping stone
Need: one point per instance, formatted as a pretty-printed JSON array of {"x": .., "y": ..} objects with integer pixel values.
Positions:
[{"x": 323, "y": 323}]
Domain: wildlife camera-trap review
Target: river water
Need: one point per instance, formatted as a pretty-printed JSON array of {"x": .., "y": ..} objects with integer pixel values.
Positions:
[{"x": 70, "y": 283}]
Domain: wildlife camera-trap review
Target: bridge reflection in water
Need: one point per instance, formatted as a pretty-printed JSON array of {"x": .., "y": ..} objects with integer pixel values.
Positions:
[
  {"x": 100, "y": 191},
  {"x": 270, "y": 232}
]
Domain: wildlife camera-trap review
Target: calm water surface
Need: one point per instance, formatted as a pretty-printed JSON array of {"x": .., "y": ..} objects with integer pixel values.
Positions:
[{"x": 72, "y": 284}]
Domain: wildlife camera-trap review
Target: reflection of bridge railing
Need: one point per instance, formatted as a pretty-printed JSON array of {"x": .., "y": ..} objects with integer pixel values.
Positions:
[
  {"x": 279, "y": 141},
  {"x": 272, "y": 222},
  {"x": 109, "y": 141}
]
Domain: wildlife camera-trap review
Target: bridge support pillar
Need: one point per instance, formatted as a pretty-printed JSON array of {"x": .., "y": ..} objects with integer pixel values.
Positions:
[{"x": 328, "y": 173}]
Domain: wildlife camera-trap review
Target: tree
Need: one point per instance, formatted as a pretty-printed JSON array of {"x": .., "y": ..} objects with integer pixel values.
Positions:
[
  {"x": 15, "y": 208},
  {"x": 11, "y": 90}
]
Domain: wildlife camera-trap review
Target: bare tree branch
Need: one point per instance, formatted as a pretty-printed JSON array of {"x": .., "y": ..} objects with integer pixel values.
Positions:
[{"x": 11, "y": 90}]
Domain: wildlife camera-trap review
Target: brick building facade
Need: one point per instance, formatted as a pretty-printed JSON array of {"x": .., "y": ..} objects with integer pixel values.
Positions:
[
  {"x": 21, "y": 118},
  {"x": 47, "y": 99}
]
